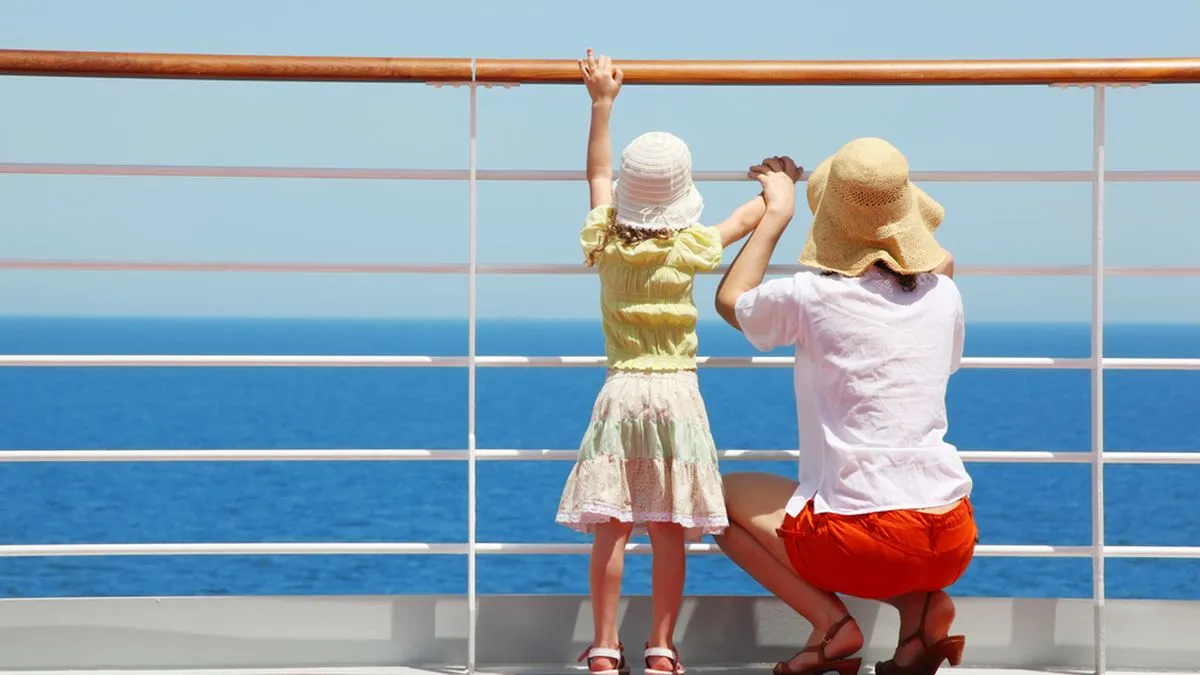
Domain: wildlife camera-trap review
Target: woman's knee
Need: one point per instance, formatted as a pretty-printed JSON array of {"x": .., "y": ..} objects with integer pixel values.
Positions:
[{"x": 751, "y": 494}]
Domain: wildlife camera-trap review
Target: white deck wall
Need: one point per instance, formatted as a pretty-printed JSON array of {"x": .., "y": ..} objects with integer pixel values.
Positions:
[{"x": 544, "y": 631}]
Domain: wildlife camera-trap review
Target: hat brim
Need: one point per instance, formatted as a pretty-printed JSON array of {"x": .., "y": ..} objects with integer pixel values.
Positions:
[
  {"x": 682, "y": 213},
  {"x": 906, "y": 245}
]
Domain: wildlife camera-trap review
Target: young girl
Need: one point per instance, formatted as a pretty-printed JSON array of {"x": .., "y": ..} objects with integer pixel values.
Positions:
[{"x": 647, "y": 462}]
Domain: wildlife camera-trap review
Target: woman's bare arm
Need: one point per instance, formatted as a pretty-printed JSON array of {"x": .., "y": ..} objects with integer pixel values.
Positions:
[
  {"x": 747, "y": 216},
  {"x": 778, "y": 178}
]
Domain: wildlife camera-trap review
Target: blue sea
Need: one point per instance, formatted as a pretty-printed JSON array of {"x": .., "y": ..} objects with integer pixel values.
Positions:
[{"x": 63, "y": 408}]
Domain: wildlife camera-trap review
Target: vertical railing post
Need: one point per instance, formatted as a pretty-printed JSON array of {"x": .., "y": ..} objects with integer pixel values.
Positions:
[
  {"x": 1097, "y": 330},
  {"x": 472, "y": 275}
]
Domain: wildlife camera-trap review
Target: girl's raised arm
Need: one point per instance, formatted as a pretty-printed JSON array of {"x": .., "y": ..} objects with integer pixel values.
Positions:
[
  {"x": 747, "y": 216},
  {"x": 603, "y": 82},
  {"x": 743, "y": 221}
]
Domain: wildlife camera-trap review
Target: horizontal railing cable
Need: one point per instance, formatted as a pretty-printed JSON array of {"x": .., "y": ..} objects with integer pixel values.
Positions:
[
  {"x": 361, "y": 361},
  {"x": 347, "y": 173},
  {"x": 519, "y": 455},
  {"x": 496, "y": 548},
  {"x": 527, "y": 269}
]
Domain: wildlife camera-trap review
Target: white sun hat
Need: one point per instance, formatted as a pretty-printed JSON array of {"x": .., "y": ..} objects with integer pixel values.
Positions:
[{"x": 655, "y": 189}]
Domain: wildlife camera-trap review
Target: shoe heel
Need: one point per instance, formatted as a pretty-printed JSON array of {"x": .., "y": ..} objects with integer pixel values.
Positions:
[
  {"x": 952, "y": 648},
  {"x": 844, "y": 666}
]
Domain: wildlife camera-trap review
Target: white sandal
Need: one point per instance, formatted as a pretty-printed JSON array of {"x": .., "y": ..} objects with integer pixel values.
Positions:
[
  {"x": 666, "y": 654},
  {"x": 606, "y": 653}
]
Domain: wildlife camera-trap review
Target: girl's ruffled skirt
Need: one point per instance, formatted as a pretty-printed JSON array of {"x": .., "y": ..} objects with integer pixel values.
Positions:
[{"x": 648, "y": 456}]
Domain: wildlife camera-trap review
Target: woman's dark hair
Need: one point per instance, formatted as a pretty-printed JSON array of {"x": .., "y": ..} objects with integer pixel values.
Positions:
[{"x": 907, "y": 282}]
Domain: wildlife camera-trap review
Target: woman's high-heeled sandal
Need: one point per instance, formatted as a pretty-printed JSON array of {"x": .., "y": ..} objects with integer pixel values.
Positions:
[
  {"x": 947, "y": 649},
  {"x": 617, "y": 655},
  {"x": 669, "y": 654},
  {"x": 842, "y": 666}
]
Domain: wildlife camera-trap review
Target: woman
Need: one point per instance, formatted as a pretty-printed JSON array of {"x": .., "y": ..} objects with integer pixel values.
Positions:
[{"x": 881, "y": 510}]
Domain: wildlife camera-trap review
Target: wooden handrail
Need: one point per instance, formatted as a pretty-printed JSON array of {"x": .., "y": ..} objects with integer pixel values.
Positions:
[
  {"x": 532, "y": 71},
  {"x": 1044, "y": 72},
  {"x": 233, "y": 67}
]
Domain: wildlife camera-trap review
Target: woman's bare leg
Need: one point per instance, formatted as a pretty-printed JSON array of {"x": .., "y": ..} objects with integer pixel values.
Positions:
[
  {"x": 668, "y": 573},
  {"x": 606, "y": 568},
  {"x": 755, "y": 503},
  {"x": 937, "y": 622}
]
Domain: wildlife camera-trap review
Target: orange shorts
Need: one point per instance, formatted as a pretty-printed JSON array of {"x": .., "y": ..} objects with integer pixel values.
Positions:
[{"x": 881, "y": 555}]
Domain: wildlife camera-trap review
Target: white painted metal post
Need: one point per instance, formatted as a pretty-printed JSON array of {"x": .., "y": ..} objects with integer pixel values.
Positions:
[
  {"x": 1100, "y": 636},
  {"x": 472, "y": 275}
]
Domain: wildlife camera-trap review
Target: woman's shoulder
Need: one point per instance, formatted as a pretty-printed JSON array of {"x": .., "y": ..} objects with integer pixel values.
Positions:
[
  {"x": 809, "y": 277},
  {"x": 951, "y": 293},
  {"x": 940, "y": 283}
]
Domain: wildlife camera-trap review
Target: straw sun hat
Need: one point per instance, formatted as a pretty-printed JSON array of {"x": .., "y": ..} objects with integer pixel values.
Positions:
[
  {"x": 655, "y": 189},
  {"x": 865, "y": 209}
]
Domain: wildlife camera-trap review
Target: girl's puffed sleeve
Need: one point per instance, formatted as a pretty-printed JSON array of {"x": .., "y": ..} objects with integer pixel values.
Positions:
[{"x": 698, "y": 249}]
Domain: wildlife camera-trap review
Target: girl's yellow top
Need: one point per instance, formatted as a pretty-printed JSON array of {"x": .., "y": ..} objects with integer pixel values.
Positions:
[{"x": 646, "y": 292}]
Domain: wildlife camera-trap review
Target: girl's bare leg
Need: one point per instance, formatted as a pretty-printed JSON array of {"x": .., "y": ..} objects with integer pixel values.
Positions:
[
  {"x": 606, "y": 568},
  {"x": 668, "y": 573}
]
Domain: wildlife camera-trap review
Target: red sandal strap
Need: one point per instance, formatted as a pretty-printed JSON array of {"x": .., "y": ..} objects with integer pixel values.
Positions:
[{"x": 829, "y": 635}]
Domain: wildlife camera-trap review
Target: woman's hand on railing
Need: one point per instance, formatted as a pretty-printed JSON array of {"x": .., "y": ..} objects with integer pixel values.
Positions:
[
  {"x": 791, "y": 168},
  {"x": 778, "y": 177},
  {"x": 602, "y": 78}
]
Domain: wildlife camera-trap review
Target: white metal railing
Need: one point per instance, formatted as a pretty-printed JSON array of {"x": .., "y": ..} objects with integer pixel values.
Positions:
[
  {"x": 360, "y": 361},
  {"x": 1097, "y": 375},
  {"x": 497, "y": 548},
  {"x": 202, "y": 171},
  {"x": 1097, "y": 457},
  {"x": 524, "y": 455},
  {"x": 42, "y": 264}
]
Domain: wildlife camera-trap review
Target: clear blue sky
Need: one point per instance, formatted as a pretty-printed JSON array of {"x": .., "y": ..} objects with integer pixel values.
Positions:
[{"x": 412, "y": 126}]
